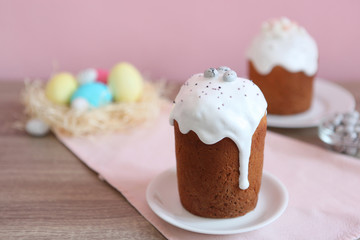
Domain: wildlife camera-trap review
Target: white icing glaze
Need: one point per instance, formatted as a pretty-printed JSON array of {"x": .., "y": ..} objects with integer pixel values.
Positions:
[
  {"x": 282, "y": 42},
  {"x": 215, "y": 109}
]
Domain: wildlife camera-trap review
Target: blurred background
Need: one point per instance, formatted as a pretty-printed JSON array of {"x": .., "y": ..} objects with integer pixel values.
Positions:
[{"x": 165, "y": 39}]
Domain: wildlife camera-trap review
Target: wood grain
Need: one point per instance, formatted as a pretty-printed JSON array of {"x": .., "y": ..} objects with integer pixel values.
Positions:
[{"x": 47, "y": 193}]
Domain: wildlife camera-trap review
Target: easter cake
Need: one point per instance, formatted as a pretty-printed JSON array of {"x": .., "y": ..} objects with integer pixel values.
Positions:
[
  {"x": 219, "y": 123},
  {"x": 283, "y": 61}
]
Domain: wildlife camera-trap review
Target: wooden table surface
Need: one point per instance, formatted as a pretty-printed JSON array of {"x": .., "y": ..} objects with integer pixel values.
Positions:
[{"x": 48, "y": 193}]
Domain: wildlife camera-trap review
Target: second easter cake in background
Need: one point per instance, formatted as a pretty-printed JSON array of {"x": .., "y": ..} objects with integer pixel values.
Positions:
[{"x": 283, "y": 61}]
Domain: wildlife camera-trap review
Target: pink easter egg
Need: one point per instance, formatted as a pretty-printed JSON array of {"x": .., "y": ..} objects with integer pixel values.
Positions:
[{"x": 102, "y": 76}]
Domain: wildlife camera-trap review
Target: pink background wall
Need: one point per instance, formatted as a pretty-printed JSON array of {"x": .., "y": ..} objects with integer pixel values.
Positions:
[{"x": 165, "y": 39}]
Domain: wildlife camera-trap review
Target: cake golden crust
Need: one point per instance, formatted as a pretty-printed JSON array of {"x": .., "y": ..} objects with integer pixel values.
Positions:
[
  {"x": 285, "y": 92},
  {"x": 208, "y": 175}
]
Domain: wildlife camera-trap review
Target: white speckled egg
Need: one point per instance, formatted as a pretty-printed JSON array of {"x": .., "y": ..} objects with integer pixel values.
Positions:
[
  {"x": 125, "y": 82},
  {"x": 37, "y": 127}
]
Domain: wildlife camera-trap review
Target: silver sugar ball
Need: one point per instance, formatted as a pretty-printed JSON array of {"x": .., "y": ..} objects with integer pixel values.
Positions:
[
  {"x": 210, "y": 73},
  {"x": 229, "y": 76},
  {"x": 349, "y": 120},
  {"x": 340, "y": 129},
  {"x": 223, "y": 69},
  {"x": 350, "y": 137},
  {"x": 335, "y": 139},
  {"x": 357, "y": 129},
  {"x": 353, "y": 114},
  {"x": 338, "y": 119},
  {"x": 346, "y": 136},
  {"x": 329, "y": 125},
  {"x": 349, "y": 128},
  {"x": 356, "y": 114}
]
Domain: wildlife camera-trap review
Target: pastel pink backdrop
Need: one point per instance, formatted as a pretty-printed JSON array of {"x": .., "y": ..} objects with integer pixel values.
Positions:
[{"x": 165, "y": 39}]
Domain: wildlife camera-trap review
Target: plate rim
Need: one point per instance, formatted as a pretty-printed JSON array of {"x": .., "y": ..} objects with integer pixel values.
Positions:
[
  {"x": 154, "y": 207},
  {"x": 319, "y": 82}
]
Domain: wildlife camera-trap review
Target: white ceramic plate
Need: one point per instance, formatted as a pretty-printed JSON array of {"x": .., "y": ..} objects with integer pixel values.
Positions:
[
  {"x": 163, "y": 198},
  {"x": 329, "y": 98}
]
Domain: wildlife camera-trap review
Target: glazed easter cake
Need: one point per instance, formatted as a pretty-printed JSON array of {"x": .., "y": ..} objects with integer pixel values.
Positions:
[
  {"x": 220, "y": 126},
  {"x": 283, "y": 61}
]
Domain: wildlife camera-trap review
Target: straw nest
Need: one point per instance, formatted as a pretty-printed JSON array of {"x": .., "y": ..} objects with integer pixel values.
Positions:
[{"x": 115, "y": 117}]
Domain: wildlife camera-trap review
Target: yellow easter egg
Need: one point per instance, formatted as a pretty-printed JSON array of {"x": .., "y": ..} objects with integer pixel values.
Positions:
[
  {"x": 125, "y": 83},
  {"x": 60, "y": 88}
]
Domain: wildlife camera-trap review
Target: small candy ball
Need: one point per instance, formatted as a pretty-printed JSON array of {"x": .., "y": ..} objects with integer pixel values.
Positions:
[
  {"x": 351, "y": 115},
  {"x": 229, "y": 76},
  {"x": 350, "y": 137},
  {"x": 96, "y": 94},
  {"x": 80, "y": 104},
  {"x": 350, "y": 121},
  {"x": 60, "y": 88},
  {"x": 338, "y": 119},
  {"x": 92, "y": 75},
  {"x": 223, "y": 69},
  {"x": 349, "y": 128},
  {"x": 87, "y": 76},
  {"x": 329, "y": 125},
  {"x": 37, "y": 127},
  {"x": 356, "y": 114},
  {"x": 340, "y": 129},
  {"x": 126, "y": 83},
  {"x": 210, "y": 73}
]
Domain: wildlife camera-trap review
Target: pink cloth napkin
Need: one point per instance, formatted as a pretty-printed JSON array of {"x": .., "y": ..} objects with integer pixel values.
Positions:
[{"x": 324, "y": 187}]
